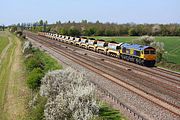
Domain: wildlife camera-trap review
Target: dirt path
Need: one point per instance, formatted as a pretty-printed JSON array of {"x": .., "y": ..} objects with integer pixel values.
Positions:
[
  {"x": 16, "y": 92},
  {"x": 4, "y": 52}
]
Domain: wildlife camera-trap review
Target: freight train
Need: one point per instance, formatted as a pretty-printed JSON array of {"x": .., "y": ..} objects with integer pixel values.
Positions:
[{"x": 139, "y": 54}]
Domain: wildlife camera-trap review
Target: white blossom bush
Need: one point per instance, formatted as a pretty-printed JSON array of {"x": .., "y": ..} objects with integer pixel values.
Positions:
[
  {"x": 33, "y": 101},
  {"x": 26, "y": 47},
  {"x": 156, "y": 29},
  {"x": 144, "y": 40},
  {"x": 70, "y": 96}
]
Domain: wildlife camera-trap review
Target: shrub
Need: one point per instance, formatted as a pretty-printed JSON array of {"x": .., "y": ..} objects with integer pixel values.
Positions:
[
  {"x": 48, "y": 62},
  {"x": 37, "y": 64},
  {"x": 33, "y": 62},
  {"x": 37, "y": 110},
  {"x": 144, "y": 40},
  {"x": 70, "y": 96},
  {"x": 108, "y": 113},
  {"x": 27, "y": 47},
  {"x": 19, "y": 33},
  {"x": 23, "y": 36},
  {"x": 34, "y": 78}
]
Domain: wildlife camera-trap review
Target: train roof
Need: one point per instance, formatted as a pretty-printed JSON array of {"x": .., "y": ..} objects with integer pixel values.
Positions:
[{"x": 135, "y": 46}]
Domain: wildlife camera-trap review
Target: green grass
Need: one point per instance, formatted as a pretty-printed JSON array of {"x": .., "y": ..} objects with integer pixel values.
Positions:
[
  {"x": 37, "y": 66},
  {"x": 171, "y": 45},
  {"x": 42, "y": 62},
  {"x": 5, "y": 66},
  {"x": 172, "y": 48},
  {"x": 3, "y": 43},
  {"x": 106, "y": 112},
  {"x": 50, "y": 64},
  {"x": 37, "y": 112}
]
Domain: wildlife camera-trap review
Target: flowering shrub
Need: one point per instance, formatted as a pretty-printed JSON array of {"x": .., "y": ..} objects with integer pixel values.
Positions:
[
  {"x": 144, "y": 40},
  {"x": 70, "y": 96},
  {"x": 27, "y": 46}
]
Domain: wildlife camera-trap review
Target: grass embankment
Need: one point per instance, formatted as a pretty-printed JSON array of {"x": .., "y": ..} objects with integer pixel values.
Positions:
[
  {"x": 37, "y": 64},
  {"x": 3, "y": 42},
  {"x": 106, "y": 112},
  {"x": 171, "y": 58},
  {"x": 12, "y": 85}
]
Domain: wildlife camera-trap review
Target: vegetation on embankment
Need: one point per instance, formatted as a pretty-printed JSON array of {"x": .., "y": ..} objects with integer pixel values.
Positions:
[
  {"x": 106, "y": 112},
  {"x": 38, "y": 63}
]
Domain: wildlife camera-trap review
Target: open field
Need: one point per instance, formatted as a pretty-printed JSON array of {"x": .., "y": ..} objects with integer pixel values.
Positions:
[
  {"x": 171, "y": 45},
  {"x": 12, "y": 85}
]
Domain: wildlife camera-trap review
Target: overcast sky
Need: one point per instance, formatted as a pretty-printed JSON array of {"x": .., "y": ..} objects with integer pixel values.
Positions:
[{"x": 118, "y": 11}]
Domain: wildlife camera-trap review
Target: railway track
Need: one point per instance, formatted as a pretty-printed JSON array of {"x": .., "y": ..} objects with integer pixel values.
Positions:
[
  {"x": 155, "y": 81},
  {"x": 101, "y": 70},
  {"x": 175, "y": 74},
  {"x": 117, "y": 66},
  {"x": 173, "y": 87},
  {"x": 165, "y": 75}
]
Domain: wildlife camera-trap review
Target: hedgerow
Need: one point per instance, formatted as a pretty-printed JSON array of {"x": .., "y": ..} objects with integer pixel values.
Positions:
[
  {"x": 37, "y": 64},
  {"x": 34, "y": 78}
]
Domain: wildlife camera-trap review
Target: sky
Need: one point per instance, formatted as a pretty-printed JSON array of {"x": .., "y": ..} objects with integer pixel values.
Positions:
[{"x": 117, "y": 11}]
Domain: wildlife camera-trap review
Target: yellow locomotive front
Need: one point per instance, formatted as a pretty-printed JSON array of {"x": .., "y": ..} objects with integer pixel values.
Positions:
[
  {"x": 139, "y": 54},
  {"x": 149, "y": 55}
]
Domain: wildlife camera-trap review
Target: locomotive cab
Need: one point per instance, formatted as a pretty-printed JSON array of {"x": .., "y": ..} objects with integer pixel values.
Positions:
[{"x": 149, "y": 54}]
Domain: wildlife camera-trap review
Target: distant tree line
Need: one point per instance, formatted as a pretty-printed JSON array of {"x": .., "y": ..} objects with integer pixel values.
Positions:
[{"x": 86, "y": 28}]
